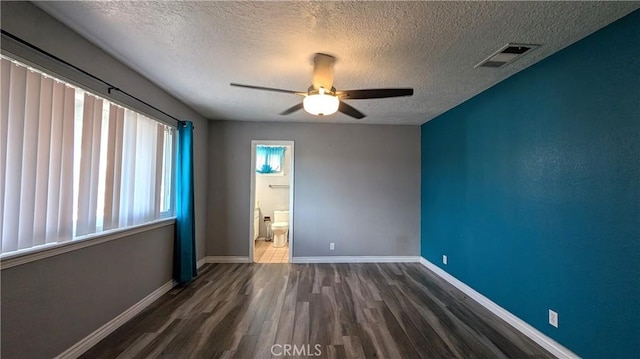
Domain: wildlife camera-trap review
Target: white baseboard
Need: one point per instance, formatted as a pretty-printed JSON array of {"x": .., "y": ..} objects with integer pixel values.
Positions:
[
  {"x": 201, "y": 262},
  {"x": 356, "y": 259},
  {"x": 543, "y": 340},
  {"x": 227, "y": 259},
  {"x": 92, "y": 339}
]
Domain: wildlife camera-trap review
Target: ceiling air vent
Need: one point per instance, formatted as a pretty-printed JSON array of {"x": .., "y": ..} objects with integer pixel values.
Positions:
[{"x": 507, "y": 54}]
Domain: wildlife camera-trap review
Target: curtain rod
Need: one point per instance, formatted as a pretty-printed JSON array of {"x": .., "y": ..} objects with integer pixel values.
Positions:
[{"x": 110, "y": 87}]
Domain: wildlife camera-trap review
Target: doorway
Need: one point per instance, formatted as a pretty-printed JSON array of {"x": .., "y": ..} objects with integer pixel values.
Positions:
[{"x": 272, "y": 189}]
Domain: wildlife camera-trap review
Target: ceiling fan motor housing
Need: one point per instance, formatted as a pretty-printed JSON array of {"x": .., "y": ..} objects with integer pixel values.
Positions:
[
  {"x": 315, "y": 91},
  {"x": 323, "y": 71}
]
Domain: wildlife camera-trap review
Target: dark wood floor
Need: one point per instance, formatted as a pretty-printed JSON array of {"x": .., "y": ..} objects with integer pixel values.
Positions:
[{"x": 350, "y": 310}]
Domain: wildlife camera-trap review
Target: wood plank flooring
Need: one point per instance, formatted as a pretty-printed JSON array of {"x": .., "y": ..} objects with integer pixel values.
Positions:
[{"x": 348, "y": 310}]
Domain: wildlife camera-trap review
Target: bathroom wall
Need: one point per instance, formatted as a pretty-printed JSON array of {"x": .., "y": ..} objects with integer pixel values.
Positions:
[
  {"x": 273, "y": 199},
  {"x": 532, "y": 190},
  {"x": 355, "y": 185}
]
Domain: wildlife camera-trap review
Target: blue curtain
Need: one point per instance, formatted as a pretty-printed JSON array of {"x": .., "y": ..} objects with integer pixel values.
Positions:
[
  {"x": 185, "y": 243},
  {"x": 269, "y": 158}
]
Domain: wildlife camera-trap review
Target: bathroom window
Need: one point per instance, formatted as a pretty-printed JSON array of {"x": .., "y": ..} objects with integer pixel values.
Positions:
[{"x": 269, "y": 159}]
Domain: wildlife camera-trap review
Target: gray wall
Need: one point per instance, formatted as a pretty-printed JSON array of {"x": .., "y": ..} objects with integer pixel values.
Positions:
[
  {"x": 355, "y": 185},
  {"x": 99, "y": 284},
  {"x": 50, "y": 304}
]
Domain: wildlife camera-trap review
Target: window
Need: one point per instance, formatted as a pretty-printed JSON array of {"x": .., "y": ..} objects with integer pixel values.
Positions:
[
  {"x": 269, "y": 159},
  {"x": 74, "y": 164}
]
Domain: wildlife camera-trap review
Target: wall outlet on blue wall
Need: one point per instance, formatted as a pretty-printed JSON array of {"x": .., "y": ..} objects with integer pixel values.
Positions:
[
  {"x": 553, "y": 318},
  {"x": 444, "y": 259}
]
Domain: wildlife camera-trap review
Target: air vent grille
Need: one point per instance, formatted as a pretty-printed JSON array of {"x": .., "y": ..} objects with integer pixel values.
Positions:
[
  {"x": 494, "y": 64},
  {"x": 516, "y": 49},
  {"x": 506, "y": 55}
]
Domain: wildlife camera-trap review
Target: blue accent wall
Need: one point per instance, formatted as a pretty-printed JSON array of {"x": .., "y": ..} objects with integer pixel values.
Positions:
[{"x": 532, "y": 190}]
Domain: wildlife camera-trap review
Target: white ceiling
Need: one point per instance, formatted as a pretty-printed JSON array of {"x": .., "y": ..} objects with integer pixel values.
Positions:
[{"x": 195, "y": 49}]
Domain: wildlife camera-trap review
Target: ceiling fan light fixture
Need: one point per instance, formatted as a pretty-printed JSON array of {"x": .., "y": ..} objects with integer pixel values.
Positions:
[
  {"x": 322, "y": 99},
  {"x": 321, "y": 104}
]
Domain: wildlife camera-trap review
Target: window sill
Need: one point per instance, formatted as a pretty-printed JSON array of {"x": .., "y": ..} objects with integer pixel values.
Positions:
[{"x": 16, "y": 259}]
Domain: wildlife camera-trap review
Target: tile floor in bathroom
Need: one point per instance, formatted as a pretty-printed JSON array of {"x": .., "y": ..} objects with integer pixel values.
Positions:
[{"x": 264, "y": 252}]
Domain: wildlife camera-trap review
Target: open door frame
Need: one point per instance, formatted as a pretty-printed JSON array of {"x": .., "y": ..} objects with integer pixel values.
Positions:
[{"x": 252, "y": 198}]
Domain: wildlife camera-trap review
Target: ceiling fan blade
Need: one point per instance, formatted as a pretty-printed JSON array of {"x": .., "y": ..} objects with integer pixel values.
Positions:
[
  {"x": 268, "y": 89},
  {"x": 350, "y": 111},
  {"x": 292, "y": 109},
  {"x": 374, "y": 93}
]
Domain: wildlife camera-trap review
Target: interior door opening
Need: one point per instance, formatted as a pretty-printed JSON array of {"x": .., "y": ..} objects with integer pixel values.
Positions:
[{"x": 272, "y": 189}]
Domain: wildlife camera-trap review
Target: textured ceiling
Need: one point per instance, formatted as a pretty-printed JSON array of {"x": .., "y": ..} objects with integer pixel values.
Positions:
[{"x": 195, "y": 49}]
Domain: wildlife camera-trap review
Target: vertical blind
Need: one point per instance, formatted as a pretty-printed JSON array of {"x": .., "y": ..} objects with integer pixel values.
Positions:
[
  {"x": 121, "y": 188},
  {"x": 36, "y": 158},
  {"x": 74, "y": 164}
]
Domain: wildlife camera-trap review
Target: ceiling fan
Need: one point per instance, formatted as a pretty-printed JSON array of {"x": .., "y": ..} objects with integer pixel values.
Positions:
[{"x": 322, "y": 99}]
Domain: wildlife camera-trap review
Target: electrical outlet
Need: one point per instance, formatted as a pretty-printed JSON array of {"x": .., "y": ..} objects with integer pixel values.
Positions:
[
  {"x": 553, "y": 318},
  {"x": 444, "y": 259},
  {"x": 332, "y": 246}
]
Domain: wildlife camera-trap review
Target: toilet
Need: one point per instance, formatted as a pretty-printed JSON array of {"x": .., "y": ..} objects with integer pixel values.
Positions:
[{"x": 280, "y": 228}]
